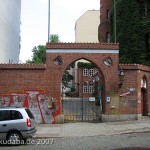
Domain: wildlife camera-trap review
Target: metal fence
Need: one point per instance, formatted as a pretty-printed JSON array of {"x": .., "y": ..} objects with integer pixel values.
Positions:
[{"x": 80, "y": 109}]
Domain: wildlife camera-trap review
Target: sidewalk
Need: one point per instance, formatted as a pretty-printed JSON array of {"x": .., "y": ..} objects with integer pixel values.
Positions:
[{"x": 92, "y": 129}]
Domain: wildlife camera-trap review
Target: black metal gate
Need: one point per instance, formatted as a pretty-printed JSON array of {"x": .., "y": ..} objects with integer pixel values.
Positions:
[{"x": 80, "y": 109}]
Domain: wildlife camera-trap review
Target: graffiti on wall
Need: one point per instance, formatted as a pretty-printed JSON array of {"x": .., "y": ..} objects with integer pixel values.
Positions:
[{"x": 44, "y": 107}]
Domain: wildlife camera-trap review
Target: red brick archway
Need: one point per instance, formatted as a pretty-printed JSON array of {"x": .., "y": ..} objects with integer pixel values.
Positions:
[
  {"x": 60, "y": 56},
  {"x": 70, "y": 52}
]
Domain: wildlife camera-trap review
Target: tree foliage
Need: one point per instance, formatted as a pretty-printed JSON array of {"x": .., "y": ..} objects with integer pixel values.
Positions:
[
  {"x": 54, "y": 38},
  {"x": 85, "y": 65},
  {"x": 67, "y": 77},
  {"x": 39, "y": 52},
  {"x": 39, "y": 57},
  {"x": 131, "y": 31}
]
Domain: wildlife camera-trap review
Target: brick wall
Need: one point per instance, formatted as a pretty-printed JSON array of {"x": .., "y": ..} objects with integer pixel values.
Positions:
[
  {"x": 133, "y": 76},
  {"x": 18, "y": 77},
  {"x": 48, "y": 77}
]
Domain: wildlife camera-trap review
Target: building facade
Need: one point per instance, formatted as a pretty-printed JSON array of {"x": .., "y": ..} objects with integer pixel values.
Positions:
[
  {"x": 85, "y": 82},
  {"x": 10, "y": 31},
  {"x": 104, "y": 27},
  {"x": 86, "y": 28},
  {"x": 114, "y": 29}
]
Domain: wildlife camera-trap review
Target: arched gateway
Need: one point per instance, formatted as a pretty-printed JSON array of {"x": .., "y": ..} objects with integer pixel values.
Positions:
[
  {"x": 69, "y": 52},
  {"x": 121, "y": 90},
  {"x": 104, "y": 56}
]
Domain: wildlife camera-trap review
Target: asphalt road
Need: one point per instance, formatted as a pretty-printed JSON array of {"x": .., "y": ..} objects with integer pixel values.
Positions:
[{"x": 135, "y": 141}]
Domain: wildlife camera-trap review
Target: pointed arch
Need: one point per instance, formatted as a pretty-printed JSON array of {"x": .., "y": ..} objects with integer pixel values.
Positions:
[
  {"x": 144, "y": 97},
  {"x": 144, "y": 82}
]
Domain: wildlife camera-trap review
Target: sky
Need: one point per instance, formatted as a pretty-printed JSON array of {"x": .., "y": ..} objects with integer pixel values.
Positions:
[{"x": 63, "y": 16}]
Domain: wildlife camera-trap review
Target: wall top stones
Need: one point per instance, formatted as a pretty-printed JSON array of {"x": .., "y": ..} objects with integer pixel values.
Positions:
[
  {"x": 23, "y": 66},
  {"x": 134, "y": 67},
  {"x": 112, "y": 46},
  {"x": 43, "y": 66}
]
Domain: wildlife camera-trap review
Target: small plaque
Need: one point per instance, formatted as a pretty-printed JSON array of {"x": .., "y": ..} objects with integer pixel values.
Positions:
[{"x": 92, "y": 99}]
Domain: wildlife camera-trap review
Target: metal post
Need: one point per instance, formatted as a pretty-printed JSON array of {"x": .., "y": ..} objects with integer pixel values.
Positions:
[
  {"x": 115, "y": 20},
  {"x": 48, "y": 21}
]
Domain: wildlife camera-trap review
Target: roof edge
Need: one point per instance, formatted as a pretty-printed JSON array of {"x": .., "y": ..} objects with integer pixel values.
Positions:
[
  {"x": 134, "y": 67},
  {"x": 114, "y": 46}
]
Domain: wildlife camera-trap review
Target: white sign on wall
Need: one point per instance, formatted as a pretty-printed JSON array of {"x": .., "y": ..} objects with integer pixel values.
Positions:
[
  {"x": 92, "y": 99},
  {"x": 108, "y": 99}
]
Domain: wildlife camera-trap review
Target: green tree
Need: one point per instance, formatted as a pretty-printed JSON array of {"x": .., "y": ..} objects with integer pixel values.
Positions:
[
  {"x": 39, "y": 52},
  {"x": 39, "y": 57},
  {"x": 54, "y": 38},
  {"x": 67, "y": 78}
]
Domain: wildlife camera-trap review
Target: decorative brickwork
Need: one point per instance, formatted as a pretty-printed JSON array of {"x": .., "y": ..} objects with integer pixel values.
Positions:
[
  {"x": 23, "y": 66},
  {"x": 83, "y": 46}
]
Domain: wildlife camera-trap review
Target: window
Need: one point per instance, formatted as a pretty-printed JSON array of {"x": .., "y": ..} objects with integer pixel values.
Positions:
[
  {"x": 10, "y": 115},
  {"x": 29, "y": 113},
  {"x": 108, "y": 14},
  {"x": 85, "y": 89},
  {"x": 85, "y": 72},
  {"x": 14, "y": 115},
  {"x": 108, "y": 37},
  {"x": 107, "y": 61},
  {"x": 91, "y": 89},
  {"x": 143, "y": 83},
  {"x": 96, "y": 70},
  {"x": 57, "y": 61},
  {"x": 4, "y": 115},
  {"x": 145, "y": 9},
  {"x": 91, "y": 72}
]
